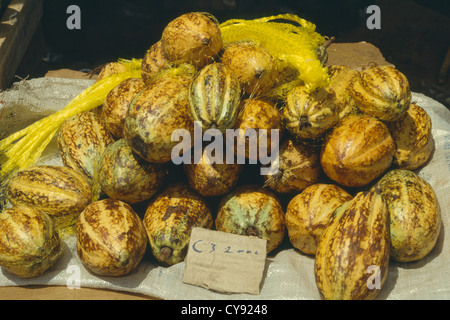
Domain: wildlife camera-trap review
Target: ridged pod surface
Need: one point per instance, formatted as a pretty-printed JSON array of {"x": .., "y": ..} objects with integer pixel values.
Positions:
[
  {"x": 115, "y": 107},
  {"x": 61, "y": 192},
  {"x": 413, "y": 138},
  {"x": 124, "y": 176},
  {"x": 29, "y": 243},
  {"x": 298, "y": 168},
  {"x": 309, "y": 212},
  {"x": 357, "y": 150},
  {"x": 153, "y": 116},
  {"x": 251, "y": 210},
  {"x": 381, "y": 91},
  {"x": 415, "y": 220},
  {"x": 214, "y": 97},
  {"x": 111, "y": 238},
  {"x": 352, "y": 256},
  {"x": 81, "y": 140},
  {"x": 308, "y": 115},
  {"x": 169, "y": 219}
]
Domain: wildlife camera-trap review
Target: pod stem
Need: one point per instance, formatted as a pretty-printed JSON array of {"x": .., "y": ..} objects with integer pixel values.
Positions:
[{"x": 165, "y": 253}]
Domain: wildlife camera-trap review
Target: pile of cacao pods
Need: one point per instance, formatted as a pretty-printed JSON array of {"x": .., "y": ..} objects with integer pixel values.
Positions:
[{"x": 344, "y": 190}]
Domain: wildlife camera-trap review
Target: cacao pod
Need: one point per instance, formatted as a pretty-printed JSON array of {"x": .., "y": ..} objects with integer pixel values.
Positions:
[
  {"x": 81, "y": 140},
  {"x": 29, "y": 243},
  {"x": 308, "y": 115},
  {"x": 251, "y": 210},
  {"x": 340, "y": 80},
  {"x": 357, "y": 151},
  {"x": 153, "y": 116},
  {"x": 298, "y": 168},
  {"x": 413, "y": 139},
  {"x": 194, "y": 38},
  {"x": 415, "y": 220},
  {"x": 258, "y": 130},
  {"x": 382, "y": 92},
  {"x": 169, "y": 219},
  {"x": 124, "y": 176},
  {"x": 154, "y": 61},
  {"x": 117, "y": 101},
  {"x": 214, "y": 97},
  {"x": 61, "y": 192},
  {"x": 253, "y": 65},
  {"x": 111, "y": 238},
  {"x": 308, "y": 214},
  {"x": 354, "y": 250}
]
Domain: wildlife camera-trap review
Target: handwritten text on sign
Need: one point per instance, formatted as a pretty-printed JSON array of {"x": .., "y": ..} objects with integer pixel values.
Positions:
[{"x": 225, "y": 262}]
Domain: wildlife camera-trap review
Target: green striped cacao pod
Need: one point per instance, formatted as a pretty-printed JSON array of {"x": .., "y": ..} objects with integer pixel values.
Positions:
[
  {"x": 415, "y": 221},
  {"x": 214, "y": 97}
]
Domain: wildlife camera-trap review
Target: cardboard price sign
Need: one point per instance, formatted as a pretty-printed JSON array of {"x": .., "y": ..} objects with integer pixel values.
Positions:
[{"x": 225, "y": 262}]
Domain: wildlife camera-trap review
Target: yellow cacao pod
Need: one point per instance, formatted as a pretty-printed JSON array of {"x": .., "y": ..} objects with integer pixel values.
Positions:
[
  {"x": 214, "y": 97},
  {"x": 415, "y": 220},
  {"x": 352, "y": 256},
  {"x": 61, "y": 192},
  {"x": 117, "y": 101},
  {"x": 309, "y": 212},
  {"x": 308, "y": 115},
  {"x": 357, "y": 151},
  {"x": 413, "y": 138},
  {"x": 169, "y": 219},
  {"x": 111, "y": 238},
  {"x": 381, "y": 91},
  {"x": 29, "y": 243},
  {"x": 194, "y": 38}
]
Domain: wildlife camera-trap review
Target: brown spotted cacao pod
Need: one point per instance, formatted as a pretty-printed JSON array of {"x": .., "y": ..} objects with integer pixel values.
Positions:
[
  {"x": 169, "y": 219},
  {"x": 352, "y": 256},
  {"x": 193, "y": 38},
  {"x": 253, "y": 65},
  {"x": 153, "y": 62},
  {"x": 296, "y": 167},
  {"x": 413, "y": 139},
  {"x": 125, "y": 176},
  {"x": 308, "y": 115},
  {"x": 382, "y": 92},
  {"x": 258, "y": 130},
  {"x": 357, "y": 150},
  {"x": 81, "y": 140},
  {"x": 308, "y": 214},
  {"x": 154, "y": 114},
  {"x": 117, "y": 101},
  {"x": 29, "y": 243},
  {"x": 214, "y": 97},
  {"x": 61, "y": 192},
  {"x": 415, "y": 220},
  {"x": 340, "y": 79},
  {"x": 111, "y": 238}
]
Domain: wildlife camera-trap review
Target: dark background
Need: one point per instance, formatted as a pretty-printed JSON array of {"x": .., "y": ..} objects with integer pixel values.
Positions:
[{"x": 414, "y": 35}]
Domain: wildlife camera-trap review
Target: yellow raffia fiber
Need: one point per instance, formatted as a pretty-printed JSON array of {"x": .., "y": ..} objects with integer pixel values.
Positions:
[
  {"x": 23, "y": 148},
  {"x": 293, "y": 43}
]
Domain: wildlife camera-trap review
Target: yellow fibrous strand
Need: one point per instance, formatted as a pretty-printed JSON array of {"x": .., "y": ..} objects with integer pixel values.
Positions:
[
  {"x": 293, "y": 44},
  {"x": 24, "y": 147}
]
